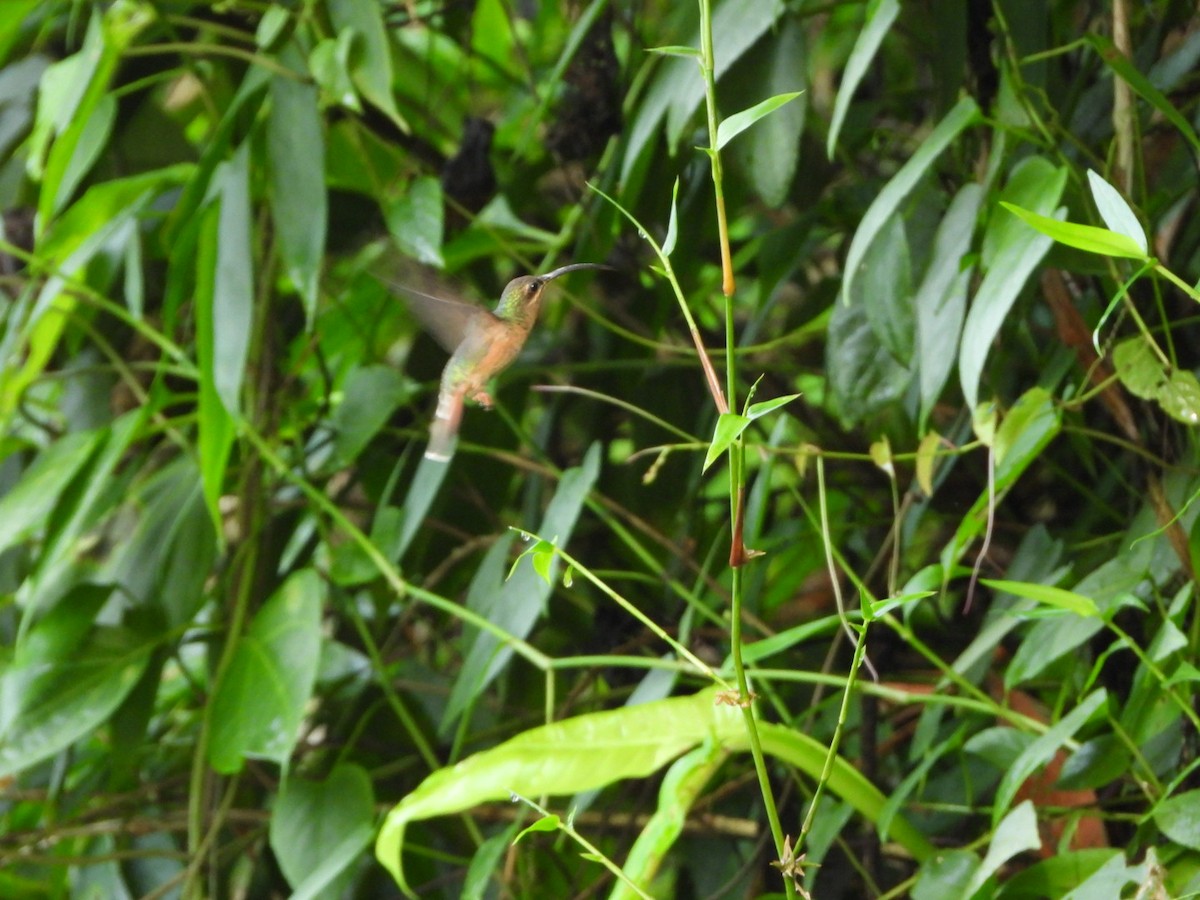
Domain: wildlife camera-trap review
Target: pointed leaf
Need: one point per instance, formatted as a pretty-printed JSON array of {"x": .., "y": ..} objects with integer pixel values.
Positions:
[
  {"x": 758, "y": 410},
  {"x": 296, "y": 148},
  {"x": 1047, "y": 594},
  {"x": 880, "y": 16},
  {"x": 1014, "y": 254},
  {"x": 729, "y": 428},
  {"x": 1081, "y": 237},
  {"x": 668, "y": 243},
  {"x": 1115, "y": 212},
  {"x": 888, "y": 202},
  {"x": 739, "y": 122}
]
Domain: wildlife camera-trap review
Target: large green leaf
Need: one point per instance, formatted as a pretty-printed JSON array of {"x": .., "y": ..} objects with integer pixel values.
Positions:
[
  {"x": 259, "y": 704},
  {"x": 318, "y": 828},
  {"x": 591, "y": 751},
  {"x": 66, "y": 679}
]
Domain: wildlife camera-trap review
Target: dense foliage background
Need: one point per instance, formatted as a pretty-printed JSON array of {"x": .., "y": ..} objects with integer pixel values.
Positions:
[{"x": 243, "y": 619}]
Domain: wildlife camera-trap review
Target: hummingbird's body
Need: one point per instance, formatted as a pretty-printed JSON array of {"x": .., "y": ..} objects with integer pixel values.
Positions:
[{"x": 482, "y": 344}]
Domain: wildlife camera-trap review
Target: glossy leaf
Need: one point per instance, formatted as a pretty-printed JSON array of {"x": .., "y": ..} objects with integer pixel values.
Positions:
[
  {"x": 233, "y": 284},
  {"x": 593, "y": 750},
  {"x": 53, "y": 699},
  {"x": 1179, "y": 818},
  {"x": 1016, "y": 833}
]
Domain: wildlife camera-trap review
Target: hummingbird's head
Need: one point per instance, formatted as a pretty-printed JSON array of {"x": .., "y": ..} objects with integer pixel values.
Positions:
[{"x": 522, "y": 296}]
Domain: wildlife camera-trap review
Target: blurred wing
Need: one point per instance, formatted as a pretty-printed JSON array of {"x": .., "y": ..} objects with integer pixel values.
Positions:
[{"x": 446, "y": 320}]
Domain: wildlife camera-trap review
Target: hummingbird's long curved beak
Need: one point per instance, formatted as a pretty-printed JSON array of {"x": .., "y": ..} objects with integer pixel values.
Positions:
[{"x": 573, "y": 267}]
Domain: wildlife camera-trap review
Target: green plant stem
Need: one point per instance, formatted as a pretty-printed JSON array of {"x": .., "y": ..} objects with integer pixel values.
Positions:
[
  {"x": 1177, "y": 281},
  {"x": 747, "y": 705},
  {"x": 737, "y": 450},
  {"x": 707, "y": 67},
  {"x": 593, "y": 852},
  {"x": 627, "y": 606}
]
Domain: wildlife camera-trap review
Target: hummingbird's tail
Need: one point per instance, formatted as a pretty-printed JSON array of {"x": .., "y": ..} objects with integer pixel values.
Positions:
[{"x": 443, "y": 432}]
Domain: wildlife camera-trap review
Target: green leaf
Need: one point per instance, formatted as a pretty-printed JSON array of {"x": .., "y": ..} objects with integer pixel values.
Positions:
[
  {"x": 675, "y": 92},
  {"x": 1179, "y": 819},
  {"x": 233, "y": 286},
  {"x": 370, "y": 396},
  {"x": 597, "y": 749},
  {"x": 296, "y": 148},
  {"x": 415, "y": 221},
  {"x": 1081, "y": 237},
  {"x": 682, "y": 787},
  {"x": 84, "y": 118},
  {"x": 668, "y": 243},
  {"x": 760, "y": 409},
  {"x": 879, "y": 608},
  {"x": 940, "y": 300},
  {"x": 1138, "y": 368},
  {"x": 1115, "y": 212},
  {"x": 65, "y": 685},
  {"x": 1180, "y": 397},
  {"x": 215, "y": 425},
  {"x": 1032, "y": 423},
  {"x": 259, "y": 704},
  {"x": 1016, "y": 833},
  {"x": 14, "y": 22},
  {"x": 769, "y": 159},
  {"x": 1142, "y": 373},
  {"x": 1041, "y": 750},
  {"x": 739, "y": 122},
  {"x": 1011, "y": 255},
  {"x": 729, "y": 428},
  {"x": 315, "y": 826},
  {"x": 964, "y": 114},
  {"x": 545, "y": 823},
  {"x": 1047, "y": 594},
  {"x": 677, "y": 50},
  {"x": 26, "y": 506},
  {"x": 880, "y": 16},
  {"x": 1120, "y": 64},
  {"x": 371, "y": 58},
  {"x": 516, "y": 604}
]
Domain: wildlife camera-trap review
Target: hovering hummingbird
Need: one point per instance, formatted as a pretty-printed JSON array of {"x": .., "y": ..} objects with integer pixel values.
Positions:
[{"x": 481, "y": 344}]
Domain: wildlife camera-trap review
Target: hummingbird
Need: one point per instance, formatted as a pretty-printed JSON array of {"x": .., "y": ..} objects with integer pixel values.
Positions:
[{"x": 481, "y": 343}]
